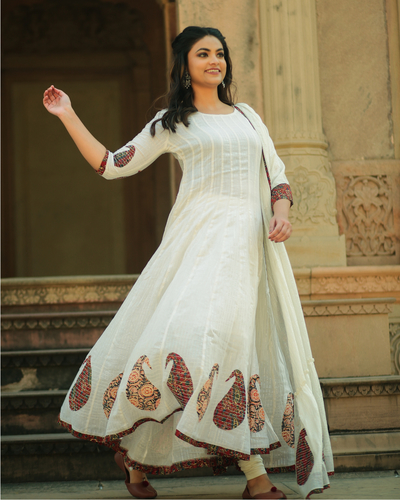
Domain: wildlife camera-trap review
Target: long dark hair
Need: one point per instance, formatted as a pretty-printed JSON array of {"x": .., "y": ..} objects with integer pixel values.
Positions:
[{"x": 179, "y": 100}]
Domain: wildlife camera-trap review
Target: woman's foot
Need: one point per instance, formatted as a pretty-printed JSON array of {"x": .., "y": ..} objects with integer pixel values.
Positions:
[
  {"x": 135, "y": 480},
  {"x": 136, "y": 476},
  {"x": 261, "y": 487}
]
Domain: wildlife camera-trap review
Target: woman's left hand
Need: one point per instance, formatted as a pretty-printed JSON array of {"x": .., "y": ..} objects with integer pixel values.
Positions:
[{"x": 280, "y": 228}]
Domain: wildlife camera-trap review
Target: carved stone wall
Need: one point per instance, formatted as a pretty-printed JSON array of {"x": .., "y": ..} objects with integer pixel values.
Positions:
[
  {"x": 62, "y": 291},
  {"x": 350, "y": 337},
  {"x": 83, "y": 25},
  {"x": 368, "y": 204},
  {"x": 394, "y": 330}
]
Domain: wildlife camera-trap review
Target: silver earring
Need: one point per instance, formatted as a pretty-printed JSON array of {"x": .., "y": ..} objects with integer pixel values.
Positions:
[
  {"x": 223, "y": 84},
  {"x": 187, "y": 81}
]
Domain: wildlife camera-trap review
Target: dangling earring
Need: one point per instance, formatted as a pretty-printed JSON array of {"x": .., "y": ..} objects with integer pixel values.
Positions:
[
  {"x": 187, "y": 81},
  {"x": 223, "y": 84}
]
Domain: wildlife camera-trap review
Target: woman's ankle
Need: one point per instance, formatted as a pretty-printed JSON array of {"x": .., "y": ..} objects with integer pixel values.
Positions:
[
  {"x": 259, "y": 484},
  {"x": 135, "y": 476}
]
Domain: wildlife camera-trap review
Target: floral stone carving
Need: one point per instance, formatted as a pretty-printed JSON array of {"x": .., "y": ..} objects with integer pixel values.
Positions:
[
  {"x": 368, "y": 216},
  {"x": 314, "y": 194}
]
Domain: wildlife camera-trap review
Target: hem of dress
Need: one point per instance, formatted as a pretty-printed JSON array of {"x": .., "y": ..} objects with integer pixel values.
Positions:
[
  {"x": 319, "y": 490},
  {"x": 219, "y": 464},
  {"x": 120, "y": 435},
  {"x": 109, "y": 439},
  {"x": 226, "y": 452}
]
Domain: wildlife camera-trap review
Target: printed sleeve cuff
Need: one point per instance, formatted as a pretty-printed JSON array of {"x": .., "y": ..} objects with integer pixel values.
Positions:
[
  {"x": 103, "y": 164},
  {"x": 281, "y": 191}
]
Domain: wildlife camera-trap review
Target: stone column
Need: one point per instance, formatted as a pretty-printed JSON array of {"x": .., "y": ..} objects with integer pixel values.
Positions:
[{"x": 292, "y": 110}]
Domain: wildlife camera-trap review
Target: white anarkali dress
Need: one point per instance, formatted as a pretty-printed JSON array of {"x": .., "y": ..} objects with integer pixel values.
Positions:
[{"x": 208, "y": 360}]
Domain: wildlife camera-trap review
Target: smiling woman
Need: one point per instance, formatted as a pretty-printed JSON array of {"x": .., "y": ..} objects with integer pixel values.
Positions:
[
  {"x": 207, "y": 67},
  {"x": 213, "y": 330}
]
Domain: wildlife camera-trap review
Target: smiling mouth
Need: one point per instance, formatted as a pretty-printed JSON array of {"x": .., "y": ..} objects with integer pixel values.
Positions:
[{"x": 213, "y": 71}]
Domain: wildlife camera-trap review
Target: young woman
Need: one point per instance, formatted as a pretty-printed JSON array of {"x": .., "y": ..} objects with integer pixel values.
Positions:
[{"x": 207, "y": 362}]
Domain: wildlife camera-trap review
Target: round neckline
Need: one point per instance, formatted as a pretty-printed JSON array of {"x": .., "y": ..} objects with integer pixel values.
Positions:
[{"x": 218, "y": 114}]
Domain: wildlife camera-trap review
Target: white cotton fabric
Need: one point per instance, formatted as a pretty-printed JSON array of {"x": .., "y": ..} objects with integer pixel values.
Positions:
[
  {"x": 216, "y": 291},
  {"x": 252, "y": 468}
]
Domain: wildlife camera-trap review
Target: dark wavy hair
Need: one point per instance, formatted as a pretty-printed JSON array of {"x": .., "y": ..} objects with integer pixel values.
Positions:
[{"x": 179, "y": 100}]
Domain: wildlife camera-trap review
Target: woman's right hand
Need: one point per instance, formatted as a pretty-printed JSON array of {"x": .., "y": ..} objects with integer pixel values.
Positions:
[{"x": 55, "y": 101}]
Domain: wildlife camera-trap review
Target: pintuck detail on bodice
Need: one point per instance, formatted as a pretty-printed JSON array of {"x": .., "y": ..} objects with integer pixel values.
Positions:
[{"x": 201, "y": 145}]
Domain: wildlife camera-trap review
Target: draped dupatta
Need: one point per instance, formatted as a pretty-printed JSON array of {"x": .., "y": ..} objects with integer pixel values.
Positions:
[{"x": 314, "y": 460}]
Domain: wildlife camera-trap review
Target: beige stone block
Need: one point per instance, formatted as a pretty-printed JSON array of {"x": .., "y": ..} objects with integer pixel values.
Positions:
[
  {"x": 355, "y": 282},
  {"x": 366, "y": 442},
  {"x": 354, "y": 78},
  {"x": 349, "y": 338},
  {"x": 366, "y": 450},
  {"x": 363, "y": 413},
  {"x": 308, "y": 251},
  {"x": 388, "y": 461}
]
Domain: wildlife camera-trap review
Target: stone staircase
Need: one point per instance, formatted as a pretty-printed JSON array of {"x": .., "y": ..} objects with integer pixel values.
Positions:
[
  {"x": 48, "y": 328},
  {"x": 49, "y": 325}
]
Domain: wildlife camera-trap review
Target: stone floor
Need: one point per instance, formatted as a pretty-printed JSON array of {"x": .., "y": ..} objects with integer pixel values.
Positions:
[{"x": 351, "y": 485}]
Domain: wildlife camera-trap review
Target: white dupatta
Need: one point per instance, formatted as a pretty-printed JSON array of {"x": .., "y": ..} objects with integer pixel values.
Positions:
[{"x": 287, "y": 311}]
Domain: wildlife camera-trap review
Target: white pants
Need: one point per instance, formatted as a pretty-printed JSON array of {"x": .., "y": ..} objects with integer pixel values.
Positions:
[{"x": 252, "y": 468}]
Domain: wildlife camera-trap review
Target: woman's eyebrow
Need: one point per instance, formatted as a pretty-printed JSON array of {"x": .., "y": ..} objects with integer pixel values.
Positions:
[{"x": 208, "y": 50}]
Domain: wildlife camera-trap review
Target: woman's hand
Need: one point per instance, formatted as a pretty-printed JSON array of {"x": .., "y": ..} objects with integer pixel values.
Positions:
[
  {"x": 280, "y": 228},
  {"x": 56, "y": 101}
]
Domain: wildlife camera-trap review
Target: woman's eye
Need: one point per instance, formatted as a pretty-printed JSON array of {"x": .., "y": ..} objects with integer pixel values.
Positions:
[
  {"x": 202, "y": 54},
  {"x": 220, "y": 54}
]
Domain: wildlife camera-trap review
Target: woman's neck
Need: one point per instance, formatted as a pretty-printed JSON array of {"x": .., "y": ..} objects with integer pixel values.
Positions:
[{"x": 207, "y": 101}]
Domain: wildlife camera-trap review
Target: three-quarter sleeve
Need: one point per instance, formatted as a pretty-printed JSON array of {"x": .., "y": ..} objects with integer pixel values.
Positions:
[
  {"x": 137, "y": 154},
  {"x": 280, "y": 188}
]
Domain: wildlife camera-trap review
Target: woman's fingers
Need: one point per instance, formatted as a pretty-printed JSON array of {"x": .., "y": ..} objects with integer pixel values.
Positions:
[{"x": 281, "y": 232}]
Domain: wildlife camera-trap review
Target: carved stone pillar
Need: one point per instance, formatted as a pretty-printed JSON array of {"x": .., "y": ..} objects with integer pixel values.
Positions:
[{"x": 293, "y": 115}]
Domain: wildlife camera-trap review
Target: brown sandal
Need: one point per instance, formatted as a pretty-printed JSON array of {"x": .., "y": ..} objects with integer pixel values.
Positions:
[
  {"x": 272, "y": 493},
  {"x": 139, "y": 490}
]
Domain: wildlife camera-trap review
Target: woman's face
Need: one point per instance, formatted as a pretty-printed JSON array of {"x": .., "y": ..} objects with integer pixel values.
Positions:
[{"x": 206, "y": 62}]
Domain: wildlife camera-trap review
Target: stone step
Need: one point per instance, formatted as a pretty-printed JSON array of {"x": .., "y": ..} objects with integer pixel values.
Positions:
[
  {"x": 53, "y": 330},
  {"x": 62, "y": 457},
  {"x": 54, "y": 457},
  {"x": 31, "y": 412},
  {"x": 40, "y": 369}
]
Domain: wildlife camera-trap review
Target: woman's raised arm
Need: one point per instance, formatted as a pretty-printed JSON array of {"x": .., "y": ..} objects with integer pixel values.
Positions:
[{"x": 58, "y": 103}]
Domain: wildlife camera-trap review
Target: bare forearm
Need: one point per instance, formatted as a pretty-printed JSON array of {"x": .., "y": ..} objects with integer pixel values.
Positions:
[
  {"x": 92, "y": 150},
  {"x": 282, "y": 207}
]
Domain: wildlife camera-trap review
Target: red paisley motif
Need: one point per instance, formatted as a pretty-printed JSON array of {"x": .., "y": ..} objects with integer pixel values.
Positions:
[
  {"x": 179, "y": 380},
  {"x": 139, "y": 390},
  {"x": 123, "y": 158},
  {"x": 288, "y": 421},
  {"x": 231, "y": 410},
  {"x": 110, "y": 394},
  {"x": 304, "y": 459},
  {"x": 255, "y": 411},
  {"x": 80, "y": 392},
  {"x": 205, "y": 394}
]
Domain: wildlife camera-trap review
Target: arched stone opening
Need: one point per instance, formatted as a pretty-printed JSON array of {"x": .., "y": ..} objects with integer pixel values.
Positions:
[{"x": 59, "y": 218}]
